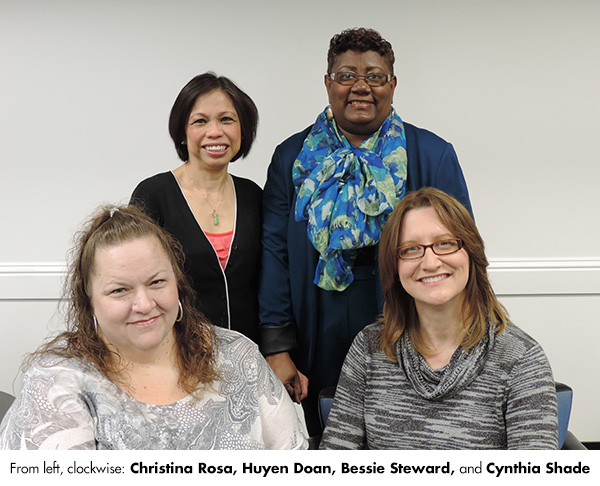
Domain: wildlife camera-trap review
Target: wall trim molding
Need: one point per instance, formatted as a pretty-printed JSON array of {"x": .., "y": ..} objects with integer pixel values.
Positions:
[
  {"x": 559, "y": 276},
  {"x": 510, "y": 277},
  {"x": 31, "y": 281}
]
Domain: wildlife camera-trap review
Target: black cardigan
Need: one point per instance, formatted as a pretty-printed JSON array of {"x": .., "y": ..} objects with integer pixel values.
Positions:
[{"x": 228, "y": 298}]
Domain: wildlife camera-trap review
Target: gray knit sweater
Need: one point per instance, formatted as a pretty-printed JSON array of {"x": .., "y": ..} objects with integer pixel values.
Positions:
[{"x": 508, "y": 403}]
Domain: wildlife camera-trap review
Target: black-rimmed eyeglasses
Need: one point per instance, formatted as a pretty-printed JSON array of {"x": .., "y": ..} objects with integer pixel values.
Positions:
[
  {"x": 442, "y": 247},
  {"x": 372, "y": 79}
]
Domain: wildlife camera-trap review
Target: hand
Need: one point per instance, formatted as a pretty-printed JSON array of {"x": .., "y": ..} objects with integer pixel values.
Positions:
[{"x": 295, "y": 382}]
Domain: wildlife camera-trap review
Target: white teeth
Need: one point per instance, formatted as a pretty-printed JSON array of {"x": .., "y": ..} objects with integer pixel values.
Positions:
[
  {"x": 434, "y": 279},
  {"x": 216, "y": 148}
]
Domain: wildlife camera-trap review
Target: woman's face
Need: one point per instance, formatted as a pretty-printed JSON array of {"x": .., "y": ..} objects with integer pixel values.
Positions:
[
  {"x": 433, "y": 281},
  {"x": 360, "y": 109},
  {"x": 134, "y": 297},
  {"x": 213, "y": 131}
]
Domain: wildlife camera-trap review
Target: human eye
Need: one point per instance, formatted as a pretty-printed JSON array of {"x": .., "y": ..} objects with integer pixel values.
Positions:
[
  {"x": 157, "y": 282},
  {"x": 198, "y": 121},
  {"x": 375, "y": 76},
  {"x": 345, "y": 77},
  {"x": 228, "y": 119},
  {"x": 117, "y": 291},
  {"x": 446, "y": 246},
  {"x": 410, "y": 251}
]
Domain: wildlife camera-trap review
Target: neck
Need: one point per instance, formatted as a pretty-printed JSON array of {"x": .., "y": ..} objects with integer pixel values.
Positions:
[
  {"x": 161, "y": 356},
  {"x": 354, "y": 139},
  {"x": 441, "y": 330},
  {"x": 213, "y": 181}
]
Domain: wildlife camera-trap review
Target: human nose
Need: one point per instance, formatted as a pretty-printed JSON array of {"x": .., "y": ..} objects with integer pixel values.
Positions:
[
  {"x": 142, "y": 302},
  {"x": 361, "y": 84},
  {"x": 214, "y": 129},
  {"x": 430, "y": 259}
]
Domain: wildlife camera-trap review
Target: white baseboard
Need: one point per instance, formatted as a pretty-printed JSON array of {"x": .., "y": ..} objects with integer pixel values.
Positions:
[{"x": 516, "y": 277}]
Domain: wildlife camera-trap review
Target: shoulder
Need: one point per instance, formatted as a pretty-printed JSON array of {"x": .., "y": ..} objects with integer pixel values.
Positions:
[
  {"x": 292, "y": 145},
  {"x": 232, "y": 344},
  {"x": 423, "y": 138},
  {"x": 515, "y": 348},
  {"x": 279, "y": 176},
  {"x": 58, "y": 370},
  {"x": 370, "y": 332},
  {"x": 155, "y": 182},
  {"x": 366, "y": 341},
  {"x": 246, "y": 185},
  {"x": 516, "y": 339},
  {"x": 238, "y": 358},
  {"x": 157, "y": 179}
]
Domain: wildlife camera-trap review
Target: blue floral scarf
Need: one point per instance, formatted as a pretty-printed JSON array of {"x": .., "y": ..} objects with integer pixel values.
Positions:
[{"x": 346, "y": 193}]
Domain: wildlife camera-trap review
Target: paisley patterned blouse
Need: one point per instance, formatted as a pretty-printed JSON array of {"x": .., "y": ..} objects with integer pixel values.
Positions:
[{"x": 69, "y": 404}]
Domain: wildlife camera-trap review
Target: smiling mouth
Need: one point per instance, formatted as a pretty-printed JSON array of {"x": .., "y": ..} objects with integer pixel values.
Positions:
[
  {"x": 145, "y": 322},
  {"x": 437, "y": 278},
  {"x": 215, "y": 148},
  {"x": 360, "y": 102}
]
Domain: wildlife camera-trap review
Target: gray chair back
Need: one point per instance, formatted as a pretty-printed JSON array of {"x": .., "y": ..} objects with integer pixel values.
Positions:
[{"x": 6, "y": 400}]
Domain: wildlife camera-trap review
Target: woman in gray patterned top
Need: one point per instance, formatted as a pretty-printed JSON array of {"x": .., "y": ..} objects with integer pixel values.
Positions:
[
  {"x": 443, "y": 368},
  {"x": 139, "y": 367}
]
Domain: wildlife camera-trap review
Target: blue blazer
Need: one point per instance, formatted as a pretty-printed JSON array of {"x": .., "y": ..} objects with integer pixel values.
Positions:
[{"x": 287, "y": 295}]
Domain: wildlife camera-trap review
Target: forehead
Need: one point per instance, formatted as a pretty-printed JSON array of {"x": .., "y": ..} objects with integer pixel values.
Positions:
[
  {"x": 422, "y": 224},
  {"x": 133, "y": 256},
  {"x": 215, "y": 100},
  {"x": 361, "y": 61}
]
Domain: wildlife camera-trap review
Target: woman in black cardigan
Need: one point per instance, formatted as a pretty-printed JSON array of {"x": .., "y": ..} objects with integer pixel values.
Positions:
[{"x": 215, "y": 216}]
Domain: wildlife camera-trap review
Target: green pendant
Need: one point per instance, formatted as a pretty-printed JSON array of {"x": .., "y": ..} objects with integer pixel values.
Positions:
[{"x": 215, "y": 216}]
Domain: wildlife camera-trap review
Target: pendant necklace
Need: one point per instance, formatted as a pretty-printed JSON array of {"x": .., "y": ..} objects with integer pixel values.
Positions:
[{"x": 214, "y": 214}]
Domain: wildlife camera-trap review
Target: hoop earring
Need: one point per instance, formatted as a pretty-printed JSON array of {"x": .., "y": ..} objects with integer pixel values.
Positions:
[
  {"x": 180, "y": 314},
  {"x": 95, "y": 324},
  {"x": 329, "y": 113}
]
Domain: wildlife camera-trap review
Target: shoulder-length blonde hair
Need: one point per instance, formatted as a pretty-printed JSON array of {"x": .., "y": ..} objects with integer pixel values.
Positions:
[
  {"x": 195, "y": 338},
  {"x": 480, "y": 304}
]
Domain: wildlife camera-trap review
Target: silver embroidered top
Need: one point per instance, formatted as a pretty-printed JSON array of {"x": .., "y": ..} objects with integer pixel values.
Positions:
[{"x": 69, "y": 404}]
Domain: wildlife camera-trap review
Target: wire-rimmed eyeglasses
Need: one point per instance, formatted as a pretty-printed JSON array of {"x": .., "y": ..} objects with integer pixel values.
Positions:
[
  {"x": 442, "y": 247},
  {"x": 372, "y": 79}
]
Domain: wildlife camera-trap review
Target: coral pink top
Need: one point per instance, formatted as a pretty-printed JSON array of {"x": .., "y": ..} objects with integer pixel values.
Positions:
[{"x": 221, "y": 242}]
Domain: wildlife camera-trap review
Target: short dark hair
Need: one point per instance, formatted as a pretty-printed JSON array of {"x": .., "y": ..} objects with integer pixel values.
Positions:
[
  {"x": 203, "y": 84},
  {"x": 359, "y": 39}
]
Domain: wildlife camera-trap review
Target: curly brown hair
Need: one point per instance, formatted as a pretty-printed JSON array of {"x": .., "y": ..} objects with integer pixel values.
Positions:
[
  {"x": 194, "y": 335},
  {"x": 359, "y": 39},
  {"x": 480, "y": 305}
]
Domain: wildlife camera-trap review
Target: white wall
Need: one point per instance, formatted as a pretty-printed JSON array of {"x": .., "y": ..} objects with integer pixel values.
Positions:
[{"x": 86, "y": 89}]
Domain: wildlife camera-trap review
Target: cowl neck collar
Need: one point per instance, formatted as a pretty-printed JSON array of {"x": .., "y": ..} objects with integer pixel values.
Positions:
[{"x": 437, "y": 384}]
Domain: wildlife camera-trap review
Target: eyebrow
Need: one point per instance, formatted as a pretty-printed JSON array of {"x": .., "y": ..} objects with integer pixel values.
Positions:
[
  {"x": 226, "y": 112},
  {"x": 435, "y": 239},
  {"x": 369, "y": 68},
  {"x": 117, "y": 281}
]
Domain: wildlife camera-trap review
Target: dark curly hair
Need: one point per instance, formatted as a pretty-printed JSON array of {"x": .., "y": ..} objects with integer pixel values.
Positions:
[
  {"x": 359, "y": 39},
  {"x": 201, "y": 85},
  {"x": 194, "y": 335}
]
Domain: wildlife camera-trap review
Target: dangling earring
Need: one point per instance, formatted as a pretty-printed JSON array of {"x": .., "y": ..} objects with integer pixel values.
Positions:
[
  {"x": 95, "y": 324},
  {"x": 329, "y": 113},
  {"x": 180, "y": 314}
]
